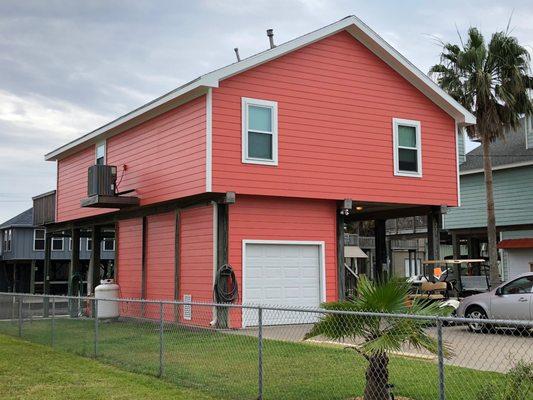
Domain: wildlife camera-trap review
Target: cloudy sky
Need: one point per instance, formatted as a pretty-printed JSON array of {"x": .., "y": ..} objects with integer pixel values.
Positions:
[{"x": 67, "y": 67}]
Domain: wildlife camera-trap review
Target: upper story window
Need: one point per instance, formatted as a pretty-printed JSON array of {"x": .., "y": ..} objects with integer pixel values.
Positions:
[
  {"x": 407, "y": 148},
  {"x": 57, "y": 244},
  {"x": 108, "y": 244},
  {"x": 89, "y": 244},
  {"x": 8, "y": 237},
  {"x": 100, "y": 153},
  {"x": 259, "y": 131},
  {"x": 38, "y": 240}
]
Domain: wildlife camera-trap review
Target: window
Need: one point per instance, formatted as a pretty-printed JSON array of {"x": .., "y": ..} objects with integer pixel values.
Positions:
[
  {"x": 407, "y": 148},
  {"x": 89, "y": 244},
  {"x": 7, "y": 239},
  {"x": 38, "y": 240},
  {"x": 100, "y": 153},
  {"x": 57, "y": 244},
  {"x": 259, "y": 132},
  {"x": 108, "y": 244},
  {"x": 519, "y": 286}
]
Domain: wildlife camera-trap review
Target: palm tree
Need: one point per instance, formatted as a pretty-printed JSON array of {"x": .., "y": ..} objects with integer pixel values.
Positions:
[
  {"x": 375, "y": 337},
  {"x": 491, "y": 81}
]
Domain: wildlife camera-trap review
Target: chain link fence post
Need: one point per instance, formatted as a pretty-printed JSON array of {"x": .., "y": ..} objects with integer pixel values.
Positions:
[
  {"x": 440, "y": 353},
  {"x": 161, "y": 340},
  {"x": 95, "y": 315},
  {"x": 53, "y": 333},
  {"x": 21, "y": 300},
  {"x": 260, "y": 353}
]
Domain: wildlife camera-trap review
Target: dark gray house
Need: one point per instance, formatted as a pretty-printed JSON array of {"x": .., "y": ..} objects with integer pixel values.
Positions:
[{"x": 22, "y": 254}]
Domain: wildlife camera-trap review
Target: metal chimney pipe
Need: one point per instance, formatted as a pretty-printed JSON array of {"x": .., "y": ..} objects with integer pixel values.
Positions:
[
  {"x": 270, "y": 34},
  {"x": 236, "y": 50}
]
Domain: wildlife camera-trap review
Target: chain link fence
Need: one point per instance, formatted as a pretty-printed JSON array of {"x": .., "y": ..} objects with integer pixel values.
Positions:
[{"x": 248, "y": 352}]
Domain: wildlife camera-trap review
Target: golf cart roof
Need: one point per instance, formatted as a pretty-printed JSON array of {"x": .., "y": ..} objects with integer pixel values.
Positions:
[{"x": 469, "y": 260}]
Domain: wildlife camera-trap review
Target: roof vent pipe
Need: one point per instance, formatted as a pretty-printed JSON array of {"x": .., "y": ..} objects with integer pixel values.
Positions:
[
  {"x": 236, "y": 50},
  {"x": 270, "y": 34}
]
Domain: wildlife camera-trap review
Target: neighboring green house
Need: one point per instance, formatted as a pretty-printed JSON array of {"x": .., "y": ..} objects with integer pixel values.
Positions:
[{"x": 512, "y": 160}]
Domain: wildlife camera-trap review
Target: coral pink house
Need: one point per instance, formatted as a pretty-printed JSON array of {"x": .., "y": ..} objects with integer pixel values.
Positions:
[{"x": 259, "y": 164}]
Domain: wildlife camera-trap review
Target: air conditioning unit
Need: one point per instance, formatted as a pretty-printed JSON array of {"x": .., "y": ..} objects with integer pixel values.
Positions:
[{"x": 102, "y": 180}]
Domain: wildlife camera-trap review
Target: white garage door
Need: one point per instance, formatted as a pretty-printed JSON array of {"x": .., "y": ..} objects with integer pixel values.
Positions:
[{"x": 281, "y": 275}]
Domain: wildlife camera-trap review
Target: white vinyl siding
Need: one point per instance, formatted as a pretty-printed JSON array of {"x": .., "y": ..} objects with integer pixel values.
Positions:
[
  {"x": 259, "y": 131},
  {"x": 407, "y": 148}
]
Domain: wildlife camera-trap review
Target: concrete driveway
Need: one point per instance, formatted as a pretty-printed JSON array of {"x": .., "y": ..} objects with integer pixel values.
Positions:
[{"x": 487, "y": 352}]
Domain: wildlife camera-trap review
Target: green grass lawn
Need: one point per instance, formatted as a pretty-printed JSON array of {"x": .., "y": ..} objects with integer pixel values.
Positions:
[
  {"x": 224, "y": 365},
  {"x": 33, "y": 371}
]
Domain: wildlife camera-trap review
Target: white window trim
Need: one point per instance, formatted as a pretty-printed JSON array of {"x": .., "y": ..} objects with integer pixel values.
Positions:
[
  {"x": 87, "y": 243},
  {"x": 35, "y": 238},
  {"x": 244, "y": 116},
  {"x": 98, "y": 144},
  {"x": 7, "y": 238},
  {"x": 416, "y": 124},
  {"x": 62, "y": 243}
]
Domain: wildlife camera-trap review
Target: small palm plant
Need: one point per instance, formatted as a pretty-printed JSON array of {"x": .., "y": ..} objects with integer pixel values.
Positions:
[{"x": 374, "y": 337}]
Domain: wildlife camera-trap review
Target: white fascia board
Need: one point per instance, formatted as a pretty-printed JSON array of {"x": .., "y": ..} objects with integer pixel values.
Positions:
[
  {"x": 409, "y": 71},
  {"x": 97, "y": 134},
  {"x": 352, "y": 24},
  {"x": 506, "y": 166}
]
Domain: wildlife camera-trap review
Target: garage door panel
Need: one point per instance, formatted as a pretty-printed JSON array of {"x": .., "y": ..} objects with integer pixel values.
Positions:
[{"x": 284, "y": 275}]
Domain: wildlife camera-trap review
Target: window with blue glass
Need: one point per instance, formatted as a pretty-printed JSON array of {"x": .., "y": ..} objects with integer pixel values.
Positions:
[{"x": 260, "y": 132}]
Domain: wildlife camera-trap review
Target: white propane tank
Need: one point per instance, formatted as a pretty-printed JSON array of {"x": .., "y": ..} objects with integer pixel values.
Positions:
[{"x": 107, "y": 289}]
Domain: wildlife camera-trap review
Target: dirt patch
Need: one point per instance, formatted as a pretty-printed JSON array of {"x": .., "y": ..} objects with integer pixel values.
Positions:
[{"x": 395, "y": 398}]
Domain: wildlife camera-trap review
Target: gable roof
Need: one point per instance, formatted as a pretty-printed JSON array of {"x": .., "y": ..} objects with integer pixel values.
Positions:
[
  {"x": 23, "y": 220},
  {"x": 506, "y": 152},
  {"x": 353, "y": 25}
]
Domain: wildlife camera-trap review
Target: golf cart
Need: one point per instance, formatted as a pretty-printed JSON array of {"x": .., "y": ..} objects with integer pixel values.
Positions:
[{"x": 448, "y": 281}]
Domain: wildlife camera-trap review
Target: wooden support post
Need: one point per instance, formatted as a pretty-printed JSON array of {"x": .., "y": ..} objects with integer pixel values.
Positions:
[
  {"x": 222, "y": 234},
  {"x": 15, "y": 286},
  {"x": 433, "y": 236},
  {"x": 94, "y": 266},
  {"x": 456, "y": 247},
  {"x": 74, "y": 270},
  {"x": 143, "y": 258},
  {"x": 341, "y": 278},
  {"x": 177, "y": 248},
  {"x": 46, "y": 271},
  {"x": 74, "y": 267},
  {"x": 381, "y": 247},
  {"x": 32, "y": 276},
  {"x": 222, "y": 256}
]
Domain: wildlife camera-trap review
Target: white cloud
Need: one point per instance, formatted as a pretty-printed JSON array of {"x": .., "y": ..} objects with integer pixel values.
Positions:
[{"x": 36, "y": 113}]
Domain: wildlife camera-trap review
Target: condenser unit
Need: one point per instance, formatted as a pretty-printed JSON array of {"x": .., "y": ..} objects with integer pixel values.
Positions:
[{"x": 102, "y": 180}]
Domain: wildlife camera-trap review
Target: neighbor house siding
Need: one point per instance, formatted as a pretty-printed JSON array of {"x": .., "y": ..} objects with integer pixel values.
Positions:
[
  {"x": 267, "y": 218},
  {"x": 129, "y": 258},
  {"x": 164, "y": 159},
  {"x": 513, "y": 191},
  {"x": 22, "y": 248},
  {"x": 336, "y": 101}
]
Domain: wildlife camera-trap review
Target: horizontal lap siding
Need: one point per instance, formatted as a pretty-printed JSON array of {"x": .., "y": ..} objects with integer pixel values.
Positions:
[
  {"x": 196, "y": 260},
  {"x": 266, "y": 218},
  {"x": 129, "y": 264},
  {"x": 160, "y": 256},
  {"x": 165, "y": 159},
  {"x": 336, "y": 101}
]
